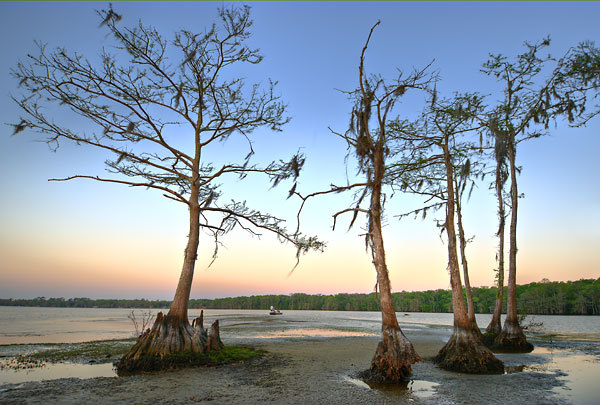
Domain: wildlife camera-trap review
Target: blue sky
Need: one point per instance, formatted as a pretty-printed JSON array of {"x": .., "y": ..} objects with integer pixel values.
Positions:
[{"x": 91, "y": 239}]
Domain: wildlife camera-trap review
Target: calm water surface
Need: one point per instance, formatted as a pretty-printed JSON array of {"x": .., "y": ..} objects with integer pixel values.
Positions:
[
  {"x": 575, "y": 352},
  {"x": 26, "y": 325}
]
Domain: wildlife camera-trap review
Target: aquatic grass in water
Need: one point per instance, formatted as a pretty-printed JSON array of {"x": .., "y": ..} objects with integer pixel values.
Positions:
[
  {"x": 95, "y": 359},
  {"x": 109, "y": 351},
  {"x": 22, "y": 363},
  {"x": 102, "y": 351}
]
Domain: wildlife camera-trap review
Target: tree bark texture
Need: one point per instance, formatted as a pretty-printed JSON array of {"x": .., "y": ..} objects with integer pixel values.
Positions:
[
  {"x": 512, "y": 338},
  {"x": 167, "y": 344},
  {"x": 179, "y": 306},
  {"x": 464, "y": 351},
  {"x": 172, "y": 334},
  {"x": 395, "y": 354},
  {"x": 465, "y": 266},
  {"x": 495, "y": 325}
]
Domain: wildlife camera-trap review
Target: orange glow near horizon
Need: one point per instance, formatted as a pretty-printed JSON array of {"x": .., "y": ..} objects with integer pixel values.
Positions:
[
  {"x": 85, "y": 239},
  {"x": 256, "y": 267}
]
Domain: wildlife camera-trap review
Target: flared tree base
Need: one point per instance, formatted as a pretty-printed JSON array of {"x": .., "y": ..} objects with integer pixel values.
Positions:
[
  {"x": 491, "y": 333},
  {"x": 393, "y": 359},
  {"x": 476, "y": 330},
  {"x": 465, "y": 353},
  {"x": 171, "y": 343},
  {"x": 488, "y": 339},
  {"x": 511, "y": 340},
  {"x": 494, "y": 328}
]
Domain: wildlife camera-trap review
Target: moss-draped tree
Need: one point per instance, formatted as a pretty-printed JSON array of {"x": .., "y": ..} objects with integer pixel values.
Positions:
[
  {"x": 464, "y": 351},
  {"x": 374, "y": 147},
  {"x": 500, "y": 178},
  {"x": 577, "y": 85},
  {"x": 157, "y": 106},
  {"x": 531, "y": 99},
  {"x": 528, "y": 104},
  {"x": 441, "y": 170}
]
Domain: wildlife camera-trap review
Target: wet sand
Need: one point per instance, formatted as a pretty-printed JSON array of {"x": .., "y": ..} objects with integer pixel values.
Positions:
[{"x": 321, "y": 370}]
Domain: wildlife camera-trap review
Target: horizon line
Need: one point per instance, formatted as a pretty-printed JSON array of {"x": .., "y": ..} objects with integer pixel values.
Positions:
[{"x": 543, "y": 281}]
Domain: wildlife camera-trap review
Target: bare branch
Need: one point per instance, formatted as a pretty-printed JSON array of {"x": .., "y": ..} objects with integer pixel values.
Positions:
[
  {"x": 354, "y": 210},
  {"x": 175, "y": 196}
]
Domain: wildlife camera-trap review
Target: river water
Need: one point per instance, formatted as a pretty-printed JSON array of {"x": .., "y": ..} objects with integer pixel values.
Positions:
[
  {"x": 26, "y": 325},
  {"x": 574, "y": 350}
]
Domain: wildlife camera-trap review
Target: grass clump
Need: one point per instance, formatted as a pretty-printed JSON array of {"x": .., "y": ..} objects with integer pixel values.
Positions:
[
  {"x": 229, "y": 354},
  {"x": 101, "y": 351},
  {"x": 151, "y": 363}
]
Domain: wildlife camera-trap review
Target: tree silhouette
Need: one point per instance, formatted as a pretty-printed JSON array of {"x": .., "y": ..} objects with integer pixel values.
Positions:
[
  {"x": 156, "y": 106},
  {"x": 443, "y": 168},
  {"x": 373, "y": 146},
  {"x": 529, "y": 101}
]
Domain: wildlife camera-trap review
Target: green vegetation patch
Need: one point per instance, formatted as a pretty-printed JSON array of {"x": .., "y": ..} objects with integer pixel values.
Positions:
[
  {"x": 148, "y": 363},
  {"x": 229, "y": 354},
  {"x": 488, "y": 338},
  {"x": 101, "y": 351}
]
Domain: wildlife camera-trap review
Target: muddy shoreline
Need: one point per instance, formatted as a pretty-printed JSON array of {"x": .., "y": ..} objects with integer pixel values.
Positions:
[{"x": 321, "y": 370}]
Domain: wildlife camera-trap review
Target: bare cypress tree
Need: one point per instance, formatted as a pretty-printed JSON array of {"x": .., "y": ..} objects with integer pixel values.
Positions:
[
  {"x": 442, "y": 172},
  {"x": 372, "y": 145},
  {"x": 156, "y": 106},
  {"x": 501, "y": 175},
  {"x": 463, "y": 176},
  {"x": 464, "y": 351},
  {"x": 528, "y": 100}
]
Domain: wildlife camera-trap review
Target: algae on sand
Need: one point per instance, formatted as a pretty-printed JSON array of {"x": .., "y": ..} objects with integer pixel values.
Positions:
[
  {"x": 100, "y": 351},
  {"x": 227, "y": 355},
  {"x": 110, "y": 351}
]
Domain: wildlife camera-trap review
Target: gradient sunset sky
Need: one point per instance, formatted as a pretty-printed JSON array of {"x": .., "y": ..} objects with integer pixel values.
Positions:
[{"x": 89, "y": 239}]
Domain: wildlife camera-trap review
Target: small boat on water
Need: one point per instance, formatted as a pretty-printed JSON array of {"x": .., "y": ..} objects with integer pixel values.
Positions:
[{"x": 275, "y": 312}]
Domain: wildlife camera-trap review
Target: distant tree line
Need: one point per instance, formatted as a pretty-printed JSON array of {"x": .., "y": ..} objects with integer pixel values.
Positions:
[{"x": 580, "y": 297}]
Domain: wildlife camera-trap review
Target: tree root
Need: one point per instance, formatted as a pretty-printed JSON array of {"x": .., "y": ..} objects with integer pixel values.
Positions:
[
  {"x": 171, "y": 343},
  {"x": 488, "y": 339},
  {"x": 476, "y": 329},
  {"x": 393, "y": 358},
  {"x": 494, "y": 328},
  {"x": 511, "y": 340},
  {"x": 465, "y": 353},
  {"x": 214, "y": 338}
]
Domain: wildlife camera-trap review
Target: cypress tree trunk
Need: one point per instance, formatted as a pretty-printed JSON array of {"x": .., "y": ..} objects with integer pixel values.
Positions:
[
  {"x": 495, "y": 326},
  {"x": 464, "y": 351},
  {"x": 172, "y": 334},
  {"x": 395, "y": 354},
  {"x": 512, "y": 338},
  {"x": 465, "y": 266}
]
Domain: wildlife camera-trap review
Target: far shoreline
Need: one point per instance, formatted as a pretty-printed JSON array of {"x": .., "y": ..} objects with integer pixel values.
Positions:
[{"x": 581, "y": 297}]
